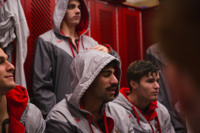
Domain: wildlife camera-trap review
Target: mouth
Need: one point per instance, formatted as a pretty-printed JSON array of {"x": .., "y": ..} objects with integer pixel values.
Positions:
[
  {"x": 155, "y": 93},
  {"x": 111, "y": 89},
  {"x": 76, "y": 17},
  {"x": 9, "y": 76}
]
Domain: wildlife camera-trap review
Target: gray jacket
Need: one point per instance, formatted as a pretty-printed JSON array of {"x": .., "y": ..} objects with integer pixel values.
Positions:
[
  {"x": 165, "y": 96},
  {"x": 68, "y": 117},
  {"x": 158, "y": 122},
  {"x": 53, "y": 57}
]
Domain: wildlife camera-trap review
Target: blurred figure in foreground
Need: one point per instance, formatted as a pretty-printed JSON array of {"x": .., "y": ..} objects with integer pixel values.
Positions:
[{"x": 179, "y": 39}]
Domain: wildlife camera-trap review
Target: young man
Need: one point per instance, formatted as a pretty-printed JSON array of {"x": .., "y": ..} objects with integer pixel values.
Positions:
[
  {"x": 56, "y": 49},
  {"x": 140, "y": 99},
  {"x": 95, "y": 80},
  {"x": 179, "y": 39},
  {"x": 17, "y": 115}
]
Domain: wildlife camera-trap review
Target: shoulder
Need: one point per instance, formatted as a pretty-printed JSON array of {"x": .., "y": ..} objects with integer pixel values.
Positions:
[
  {"x": 161, "y": 109},
  {"x": 34, "y": 122},
  {"x": 121, "y": 118},
  {"x": 117, "y": 111},
  {"x": 60, "y": 112},
  {"x": 163, "y": 114},
  {"x": 49, "y": 36},
  {"x": 89, "y": 41}
]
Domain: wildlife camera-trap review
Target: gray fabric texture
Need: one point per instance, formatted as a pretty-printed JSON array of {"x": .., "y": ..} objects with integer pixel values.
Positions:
[
  {"x": 84, "y": 69},
  {"x": 52, "y": 59},
  {"x": 144, "y": 126}
]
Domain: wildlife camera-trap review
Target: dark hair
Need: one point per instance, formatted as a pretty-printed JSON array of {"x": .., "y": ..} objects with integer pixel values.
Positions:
[
  {"x": 138, "y": 69},
  {"x": 111, "y": 64}
]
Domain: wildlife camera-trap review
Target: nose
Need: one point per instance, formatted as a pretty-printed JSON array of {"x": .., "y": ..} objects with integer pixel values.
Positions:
[
  {"x": 113, "y": 80},
  {"x": 9, "y": 67},
  {"x": 78, "y": 10},
  {"x": 156, "y": 86}
]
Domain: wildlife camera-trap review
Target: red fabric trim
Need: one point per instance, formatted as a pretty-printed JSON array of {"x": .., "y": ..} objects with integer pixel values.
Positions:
[
  {"x": 82, "y": 43},
  {"x": 84, "y": 22},
  {"x": 16, "y": 126},
  {"x": 90, "y": 124},
  {"x": 108, "y": 122},
  {"x": 77, "y": 48},
  {"x": 62, "y": 32},
  {"x": 71, "y": 47},
  {"x": 108, "y": 46},
  {"x": 159, "y": 128},
  {"x": 138, "y": 119},
  {"x": 125, "y": 91},
  {"x": 17, "y": 100},
  {"x": 150, "y": 114}
]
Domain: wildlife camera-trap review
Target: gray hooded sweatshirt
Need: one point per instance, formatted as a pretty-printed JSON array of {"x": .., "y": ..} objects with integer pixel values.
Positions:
[
  {"x": 68, "y": 117},
  {"x": 166, "y": 95},
  {"x": 156, "y": 119},
  {"x": 54, "y": 53}
]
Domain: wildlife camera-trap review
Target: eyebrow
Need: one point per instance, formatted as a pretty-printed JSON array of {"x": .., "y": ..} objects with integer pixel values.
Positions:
[{"x": 106, "y": 71}]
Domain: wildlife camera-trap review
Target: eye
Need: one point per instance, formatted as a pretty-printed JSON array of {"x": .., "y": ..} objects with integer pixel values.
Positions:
[
  {"x": 151, "y": 80},
  {"x": 2, "y": 61},
  {"x": 71, "y": 6},
  {"x": 79, "y": 7},
  {"x": 106, "y": 74}
]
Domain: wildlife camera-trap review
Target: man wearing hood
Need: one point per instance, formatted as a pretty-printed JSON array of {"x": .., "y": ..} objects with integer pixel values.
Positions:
[
  {"x": 95, "y": 79},
  {"x": 56, "y": 49},
  {"x": 17, "y": 114},
  {"x": 146, "y": 114}
]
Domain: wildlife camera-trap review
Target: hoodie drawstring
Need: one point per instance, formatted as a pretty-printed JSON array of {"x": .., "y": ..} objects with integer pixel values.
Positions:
[
  {"x": 78, "y": 46},
  {"x": 90, "y": 124},
  {"x": 158, "y": 124}
]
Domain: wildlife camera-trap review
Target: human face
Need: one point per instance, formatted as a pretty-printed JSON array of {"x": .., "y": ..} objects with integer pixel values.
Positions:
[
  {"x": 148, "y": 88},
  {"x": 73, "y": 13},
  {"x": 104, "y": 86},
  {"x": 6, "y": 77}
]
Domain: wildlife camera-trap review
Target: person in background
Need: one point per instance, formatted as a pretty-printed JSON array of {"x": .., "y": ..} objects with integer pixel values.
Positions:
[
  {"x": 178, "y": 34},
  {"x": 55, "y": 50},
  {"x": 95, "y": 79},
  {"x": 140, "y": 99},
  {"x": 166, "y": 95},
  {"x": 17, "y": 114}
]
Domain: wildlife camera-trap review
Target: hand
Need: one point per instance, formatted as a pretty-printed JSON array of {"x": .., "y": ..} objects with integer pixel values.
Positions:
[{"x": 101, "y": 48}]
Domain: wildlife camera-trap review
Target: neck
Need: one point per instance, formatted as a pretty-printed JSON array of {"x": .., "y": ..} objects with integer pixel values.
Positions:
[
  {"x": 91, "y": 104},
  {"x": 3, "y": 108},
  {"x": 69, "y": 30},
  {"x": 139, "y": 103}
]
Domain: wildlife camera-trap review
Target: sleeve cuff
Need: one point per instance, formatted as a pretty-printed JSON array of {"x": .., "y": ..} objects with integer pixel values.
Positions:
[{"x": 108, "y": 46}]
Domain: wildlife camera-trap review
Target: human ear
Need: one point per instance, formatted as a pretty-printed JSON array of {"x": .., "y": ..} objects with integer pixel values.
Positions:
[{"x": 133, "y": 84}]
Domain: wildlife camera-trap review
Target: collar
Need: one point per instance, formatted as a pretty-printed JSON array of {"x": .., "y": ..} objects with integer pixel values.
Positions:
[
  {"x": 150, "y": 114},
  {"x": 108, "y": 122},
  {"x": 70, "y": 43},
  {"x": 17, "y": 100}
]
